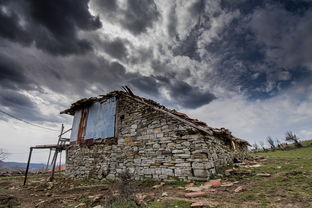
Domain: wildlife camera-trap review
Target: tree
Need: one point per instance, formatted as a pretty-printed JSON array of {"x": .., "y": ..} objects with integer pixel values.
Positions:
[
  {"x": 3, "y": 154},
  {"x": 271, "y": 142},
  {"x": 278, "y": 143},
  {"x": 262, "y": 145},
  {"x": 291, "y": 137},
  {"x": 255, "y": 146}
]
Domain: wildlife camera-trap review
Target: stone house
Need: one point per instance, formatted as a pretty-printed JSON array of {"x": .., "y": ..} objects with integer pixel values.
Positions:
[{"x": 120, "y": 132}]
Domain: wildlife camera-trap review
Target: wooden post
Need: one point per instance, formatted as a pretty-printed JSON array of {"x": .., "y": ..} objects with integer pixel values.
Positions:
[
  {"x": 48, "y": 160},
  {"x": 60, "y": 161},
  {"x": 57, "y": 149},
  {"x": 53, "y": 167},
  {"x": 27, "y": 168}
]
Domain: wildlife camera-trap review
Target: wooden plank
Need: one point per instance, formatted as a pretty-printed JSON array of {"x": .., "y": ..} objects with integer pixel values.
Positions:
[{"x": 27, "y": 168}]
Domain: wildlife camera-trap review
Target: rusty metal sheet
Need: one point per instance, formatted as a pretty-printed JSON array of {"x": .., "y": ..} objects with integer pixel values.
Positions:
[
  {"x": 101, "y": 120},
  {"x": 82, "y": 125}
]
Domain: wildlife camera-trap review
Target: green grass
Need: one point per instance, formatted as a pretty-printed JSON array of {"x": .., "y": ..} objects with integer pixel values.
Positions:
[
  {"x": 178, "y": 183},
  {"x": 169, "y": 204},
  {"x": 129, "y": 204},
  {"x": 291, "y": 178}
]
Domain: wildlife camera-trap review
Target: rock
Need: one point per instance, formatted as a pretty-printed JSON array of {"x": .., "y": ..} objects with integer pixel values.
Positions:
[
  {"x": 98, "y": 206},
  {"x": 252, "y": 163},
  {"x": 195, "y": 194},
  {"x": 228, "y": 172},
  {"x": 189, "y": 185},
  {"x": 239, "y": 189},
  {"x": 140, "y": 197},
  {"x": 212, "y": 190},
  {"x": 50, "y": 185},
  {"x": 254, "y": 166},
  {"x": 39, "y": 203},
  {"x": 263, "y": 174},
  {"x": 164, "y": 194},
  {"x": 80, "y": 205},
  {"x": 159, "y": 185},
  {"x": 202, "y": 173},
  {"x": 193, "y": 189},
  {"x": 214, "y": 183},
  {"x": 227, "y": 184},
  {"x": 48, "y": 194},
  {"x": 199, "y": 188},
  {"x": 199, "y": 204},
  {"x": 97, "y": 198}
]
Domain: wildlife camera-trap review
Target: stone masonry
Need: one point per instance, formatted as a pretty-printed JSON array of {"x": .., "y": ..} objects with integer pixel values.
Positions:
[{"x": 151, "y": 144}]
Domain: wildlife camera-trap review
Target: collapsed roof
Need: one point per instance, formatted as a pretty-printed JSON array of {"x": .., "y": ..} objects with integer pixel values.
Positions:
[{"x": 200, "y": 125}]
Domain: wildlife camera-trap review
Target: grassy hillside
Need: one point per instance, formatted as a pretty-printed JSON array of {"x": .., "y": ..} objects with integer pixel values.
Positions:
[{"x": 287, "y": 182}]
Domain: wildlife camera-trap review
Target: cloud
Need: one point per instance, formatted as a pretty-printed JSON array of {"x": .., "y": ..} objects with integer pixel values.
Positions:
[
  {"x": 52, "y": 26},
  {"x": 116, "y": 48},
  {"x": 255, "y": 121},
  {"x": 12, "y": 76},
  {"x": 283, "y": 37},
  {"x": 173, "y": 21},
  {"x": 186, "y": 96},
  {"x": 135, "y": 16},
  {"x": 231, "y": 63}
]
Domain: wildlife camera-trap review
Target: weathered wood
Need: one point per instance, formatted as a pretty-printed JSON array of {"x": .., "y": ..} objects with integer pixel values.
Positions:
[
  {"x": 51, "y": 146},
  {"x": 55, "y": 154},
  {"x": 27, "y": 168},
  {"x": 48, "y": 159}
]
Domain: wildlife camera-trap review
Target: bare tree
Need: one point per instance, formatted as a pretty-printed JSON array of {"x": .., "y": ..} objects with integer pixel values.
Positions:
[
  {"x": 262, "y": 145},
  {"x": 3, "y": 154},
  {"x": 271, "y": 142},
  {"x": 291, "y": 137},
  {"x": 278, "y": 143},
  {"x": 255, "y": 146}
]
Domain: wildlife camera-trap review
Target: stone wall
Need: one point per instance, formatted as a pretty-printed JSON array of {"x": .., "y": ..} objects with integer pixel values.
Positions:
[{"x": 150, "y": 144}]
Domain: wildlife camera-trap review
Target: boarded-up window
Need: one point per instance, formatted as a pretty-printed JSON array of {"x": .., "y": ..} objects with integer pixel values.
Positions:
[
  {"x": 75, "y": 127},
  {"x": 101, "y": 120}
]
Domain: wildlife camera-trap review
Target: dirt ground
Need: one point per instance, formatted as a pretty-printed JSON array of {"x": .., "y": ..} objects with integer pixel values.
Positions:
[{"x": 278, "y": 179}]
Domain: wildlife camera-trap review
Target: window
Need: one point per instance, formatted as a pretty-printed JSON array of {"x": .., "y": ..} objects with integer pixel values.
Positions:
[
  {"x": 98, "y": 121},
  {"x": 101, "y": 120}
]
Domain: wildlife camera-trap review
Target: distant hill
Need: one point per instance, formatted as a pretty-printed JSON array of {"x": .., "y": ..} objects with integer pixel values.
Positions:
[
  {"x": 18, "y": 167},
  {"x": 20, "y": 164}
]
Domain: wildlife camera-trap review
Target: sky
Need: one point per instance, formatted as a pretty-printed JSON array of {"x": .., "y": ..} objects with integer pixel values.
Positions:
[{"x": 245, "y": 65}]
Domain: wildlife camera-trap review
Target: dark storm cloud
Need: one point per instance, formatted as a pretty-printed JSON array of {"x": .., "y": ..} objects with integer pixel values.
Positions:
[
  {"x": 12, "y": 75},
  {"x": 260, "y": 48},
  {"x": 297, "y": 7},
  {"x": 10, "y": 27},
  {"x": 286, "y": 37},
  {"x": 140, "y": 15},
  {"x": 189, "y": 96},
  {"x": 137, "y": 17},
  {"x": 197, "y": 8},
  {"x": 52, "y": 25},
  {"x": 188, "y": 46},
  {"x": 116, "y": 48},
  {"x": 173, "y": 22},
  {"x": 182, "y": 94},
  {"x": 13, "y": 79},
  {"x": 146, "y": 84},
  {"x": 263, "y": 42}
]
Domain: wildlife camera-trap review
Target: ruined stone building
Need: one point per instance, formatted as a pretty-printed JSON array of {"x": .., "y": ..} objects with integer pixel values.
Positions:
[{"x": 120, "y": 132}]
